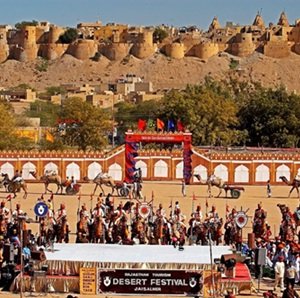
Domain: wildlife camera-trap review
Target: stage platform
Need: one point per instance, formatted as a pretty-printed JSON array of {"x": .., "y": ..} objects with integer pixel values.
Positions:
[{"x": 67, "y": 259}]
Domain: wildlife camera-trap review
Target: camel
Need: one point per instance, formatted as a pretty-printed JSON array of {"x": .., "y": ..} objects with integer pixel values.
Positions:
[
  {"x": 295, "y": 184},
  {"x": 104, "y": 179},
  {"x": 212, "y": 180},
  {"x": 50, "y": 177},
  {"x": 15, "y": 186}
]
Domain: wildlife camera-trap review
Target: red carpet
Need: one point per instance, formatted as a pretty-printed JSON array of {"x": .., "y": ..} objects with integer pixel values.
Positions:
[{"x": 242, "y": 273}]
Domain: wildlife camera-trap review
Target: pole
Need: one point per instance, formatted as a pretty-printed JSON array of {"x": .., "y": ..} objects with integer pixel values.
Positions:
[
  {"x": 21, "y": 248},
  {"x": 113, "y": 123},
  {"x": 211, "y": 263}
]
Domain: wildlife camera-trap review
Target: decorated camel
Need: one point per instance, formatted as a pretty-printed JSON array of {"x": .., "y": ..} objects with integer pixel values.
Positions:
[
  {"x": 104, "y": 179},
  {"x": 212, "y": 180},
  {"x": 14, "y": 186},
  {"x": 295, "y": 184},
  {"x": 50, "y": 177}
]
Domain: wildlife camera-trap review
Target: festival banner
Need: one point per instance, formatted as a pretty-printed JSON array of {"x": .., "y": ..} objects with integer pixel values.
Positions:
[{"x": 154, "y": 282}]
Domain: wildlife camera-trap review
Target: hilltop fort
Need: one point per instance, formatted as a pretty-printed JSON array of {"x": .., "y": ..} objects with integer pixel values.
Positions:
[{"x": 116, "y": 41}]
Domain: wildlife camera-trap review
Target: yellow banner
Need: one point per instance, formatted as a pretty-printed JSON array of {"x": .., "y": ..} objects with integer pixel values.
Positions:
[
  {"x": 28, "y": 133},
  {"x": 88, "y": 281},
  {"x": 208, "y": 281}
]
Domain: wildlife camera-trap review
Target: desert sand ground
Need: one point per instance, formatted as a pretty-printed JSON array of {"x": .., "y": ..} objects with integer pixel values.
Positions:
[{"x": 166, "y": 192}]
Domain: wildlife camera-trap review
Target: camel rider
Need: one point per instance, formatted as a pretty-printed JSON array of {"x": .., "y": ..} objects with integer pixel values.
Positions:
[
  {"x": 17, "y": 177},
  {"x": 50, "y": 173},
  {"x": 211, "y": 178},
  {"x": 297, "y": 177},
  {"x": 68, "y": 181},
  {"x": 73, "y": 181}
]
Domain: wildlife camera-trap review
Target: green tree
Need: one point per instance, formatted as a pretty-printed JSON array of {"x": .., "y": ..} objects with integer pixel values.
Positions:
[
  {"x": 22, "y": 24},
  {"x": 8, "y": 135},
  {"x": 87, "y": 126},
  {"x": 207, "y": 110},
  {"x": 159, "y": 34},
  {"x": 271, "y": 117},
  {"x": 46, "y": 111},
  {"x": 70, "y": 35}
]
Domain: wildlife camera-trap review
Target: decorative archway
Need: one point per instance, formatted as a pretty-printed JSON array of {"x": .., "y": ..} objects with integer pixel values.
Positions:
[
  {"x": 115, "y": 171},
  {"x": 51, "y": 166},
  {"x": 26, "y": 169},
  {"x": 93, "y": 170},
  {"x": 160, "y": 169},
  {"x": 73, "y": 169},
  {"x": 241, "y": 174},
  {"x": 143, "y": 166},
  {"x": 283, "y": 170},
  {"x": 262, "y": 173},
  {"x": 222, "y": 172},
  {"x": 131, "y": 148},
  {"x": 202, "y": 171},
  {"x": 7, "y": 168}
]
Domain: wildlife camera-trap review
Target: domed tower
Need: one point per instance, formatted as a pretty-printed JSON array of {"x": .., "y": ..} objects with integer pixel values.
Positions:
[
  {"x": 144, "y": 47},
  {"x": 283, "y": 20},
  {"x": 4, "y": 49},
  {"x": 83, "y": 49},
  {"x": 258, "y": 21},
  {"x": 214, "y": 25},
  {"x": 243, "y": 46},
  {"x": 206, "y": 49}
]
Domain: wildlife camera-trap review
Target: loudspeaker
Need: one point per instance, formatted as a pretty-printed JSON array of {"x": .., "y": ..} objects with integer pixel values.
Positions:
[
  {"x": 38, "y": 255},
  {"x": 228, "y": 257},
  {"x": 260, "y": 256},
  {"x": 8, "y": 253}
]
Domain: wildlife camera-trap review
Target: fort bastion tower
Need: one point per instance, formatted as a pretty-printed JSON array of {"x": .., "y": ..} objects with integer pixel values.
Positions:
[
  {"x": 4, "y": 49},
  {"x": 144, "y": 48},
  {"x": 27, "y": 49},
  {"x": 117, "y": 49},
  {"x": 54, "y": 49}
]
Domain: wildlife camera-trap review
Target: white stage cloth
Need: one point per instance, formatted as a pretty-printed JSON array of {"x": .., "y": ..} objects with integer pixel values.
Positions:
[{"x": 106, "y": 253}]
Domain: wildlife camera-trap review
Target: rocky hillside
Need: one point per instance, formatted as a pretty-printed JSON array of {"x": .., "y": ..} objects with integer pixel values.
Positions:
[{"x": 162, "y": 71}]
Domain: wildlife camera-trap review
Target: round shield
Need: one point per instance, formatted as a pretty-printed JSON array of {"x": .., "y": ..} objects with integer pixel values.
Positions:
[
  {"x": 40, "y": 209},
  {"x": 241, "y": 219},
  {"x": 144, "y": 210}
]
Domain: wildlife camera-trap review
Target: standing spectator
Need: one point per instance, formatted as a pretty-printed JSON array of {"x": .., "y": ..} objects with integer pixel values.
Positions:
[
  {"x": 279, "y": 273},
  {"x": 183, "y": 188},
  {"x": 290, "y": 274},
  {"x": 269, "y": 191}
]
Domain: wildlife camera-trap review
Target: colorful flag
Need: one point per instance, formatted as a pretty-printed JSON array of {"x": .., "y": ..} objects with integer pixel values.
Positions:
[
  {"x": 9, "y": 197},
  {"x": 227, "y": 208},
  {"x": 142, "y": 124},
  {"x": 180, "y": 126},
  {"x": 150, "y": 124},
  {"x": 49, "y": 137},
  {"x": 51, "y": 197},
  {"x": 160, "y": 125},
  {"x": 171, "y": 125}
]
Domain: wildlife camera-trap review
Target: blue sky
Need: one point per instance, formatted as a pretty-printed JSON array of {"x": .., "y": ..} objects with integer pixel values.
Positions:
[{"x": 146, "y": 12}]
